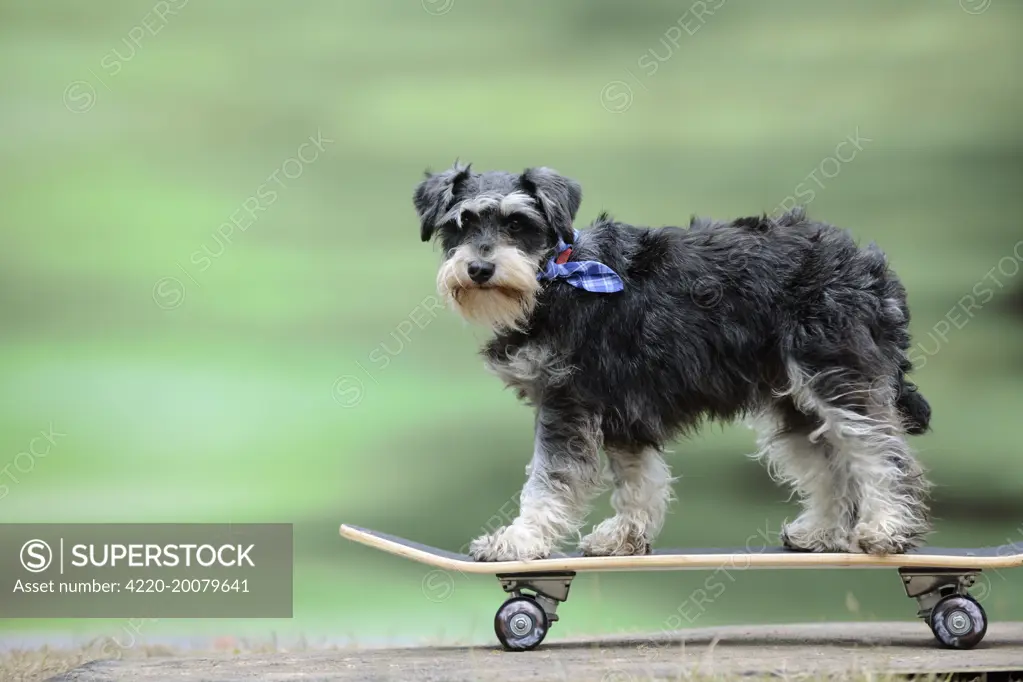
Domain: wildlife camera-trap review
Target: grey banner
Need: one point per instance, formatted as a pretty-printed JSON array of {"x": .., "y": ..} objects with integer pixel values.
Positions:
[{"x": 146, "y": 570}]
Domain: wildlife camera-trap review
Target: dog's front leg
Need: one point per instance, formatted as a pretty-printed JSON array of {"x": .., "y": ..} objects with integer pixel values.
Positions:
[
  {"x": 564, "y": 476},
  {"x": 642, "y": 492}
]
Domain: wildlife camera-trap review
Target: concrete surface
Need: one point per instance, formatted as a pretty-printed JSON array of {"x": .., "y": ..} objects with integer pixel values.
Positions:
[{"x": 843, "y": 649}]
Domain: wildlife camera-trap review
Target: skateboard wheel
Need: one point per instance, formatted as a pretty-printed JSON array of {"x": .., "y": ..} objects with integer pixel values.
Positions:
[
  {"x": 958, "y": 622},
  {"x": 520, "y": 624}
]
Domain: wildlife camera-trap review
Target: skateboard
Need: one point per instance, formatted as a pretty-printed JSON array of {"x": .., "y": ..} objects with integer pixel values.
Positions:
[{"x": 938, "y": 578}]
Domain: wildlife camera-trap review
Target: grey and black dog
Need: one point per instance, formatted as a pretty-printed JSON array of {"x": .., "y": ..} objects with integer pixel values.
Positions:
[{"x": 784, "y": 323}]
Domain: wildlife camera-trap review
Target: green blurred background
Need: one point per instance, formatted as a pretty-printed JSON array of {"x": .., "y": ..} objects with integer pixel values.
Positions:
[{"x": 274, "y": 374}]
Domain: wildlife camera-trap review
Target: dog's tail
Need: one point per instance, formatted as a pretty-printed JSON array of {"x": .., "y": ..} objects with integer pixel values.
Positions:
[{"x": 914, "y": 408}]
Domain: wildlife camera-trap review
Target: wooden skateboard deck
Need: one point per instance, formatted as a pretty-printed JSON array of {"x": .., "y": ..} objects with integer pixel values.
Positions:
[{"x": 1004, "y": 556}]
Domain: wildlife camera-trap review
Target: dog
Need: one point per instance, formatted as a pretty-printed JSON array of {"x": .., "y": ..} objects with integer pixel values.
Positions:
[{"x": 623, "y": 338}]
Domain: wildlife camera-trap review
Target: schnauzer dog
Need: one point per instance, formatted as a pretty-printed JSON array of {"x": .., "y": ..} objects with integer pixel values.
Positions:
[{"x": 623, "y": 338}]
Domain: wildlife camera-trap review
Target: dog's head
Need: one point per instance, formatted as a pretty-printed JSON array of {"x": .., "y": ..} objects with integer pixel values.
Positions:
[{"x": 497, "y": 230}]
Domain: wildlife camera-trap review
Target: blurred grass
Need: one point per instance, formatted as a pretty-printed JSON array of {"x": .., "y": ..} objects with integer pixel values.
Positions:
[{"x": 224, "y": 408}]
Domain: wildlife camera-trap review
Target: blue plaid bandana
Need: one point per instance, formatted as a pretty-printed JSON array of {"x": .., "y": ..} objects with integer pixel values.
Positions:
[{"x": 585, "y": 274}]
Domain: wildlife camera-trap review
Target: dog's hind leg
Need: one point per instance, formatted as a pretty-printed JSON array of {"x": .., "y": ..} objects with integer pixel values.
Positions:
[
  {"x": 564, "y": 477},
  {"x": 642, "y": 491},
  {"x": 861, "y": 422},
  {"x": 810, "y": 467}
]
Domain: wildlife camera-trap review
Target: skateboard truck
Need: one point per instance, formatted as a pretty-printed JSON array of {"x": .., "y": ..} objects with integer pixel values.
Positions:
[
  {"x": 523, "y": 620},
  {"x": 957, "y": 619}
]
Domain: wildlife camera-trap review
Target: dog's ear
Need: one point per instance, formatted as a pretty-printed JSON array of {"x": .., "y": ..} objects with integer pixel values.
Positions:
[
  {"x": 435, "y": 195},
  {"x": 559, "y": 198}
]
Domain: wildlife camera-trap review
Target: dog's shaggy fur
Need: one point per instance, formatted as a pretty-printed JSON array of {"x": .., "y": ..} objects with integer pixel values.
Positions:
[{"x": 784, "y": 322}]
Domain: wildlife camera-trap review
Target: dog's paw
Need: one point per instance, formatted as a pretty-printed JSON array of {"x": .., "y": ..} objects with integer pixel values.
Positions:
[
  {"x": 516, "y": 542},
  {"x": 805, "y": 538},
  {"x": 614, "y": 537},
  {"x": 872, "y": 540}
]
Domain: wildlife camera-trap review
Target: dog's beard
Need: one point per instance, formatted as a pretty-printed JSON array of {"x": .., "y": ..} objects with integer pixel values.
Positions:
[{"x": 504, "y": 302}]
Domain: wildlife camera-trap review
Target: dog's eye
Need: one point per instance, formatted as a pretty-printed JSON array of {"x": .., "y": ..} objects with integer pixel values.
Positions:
[{"x": 516, "y": 224}]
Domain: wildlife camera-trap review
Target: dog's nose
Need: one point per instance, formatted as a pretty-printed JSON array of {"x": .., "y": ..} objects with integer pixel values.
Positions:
[{"x": 481, "y": 271}]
